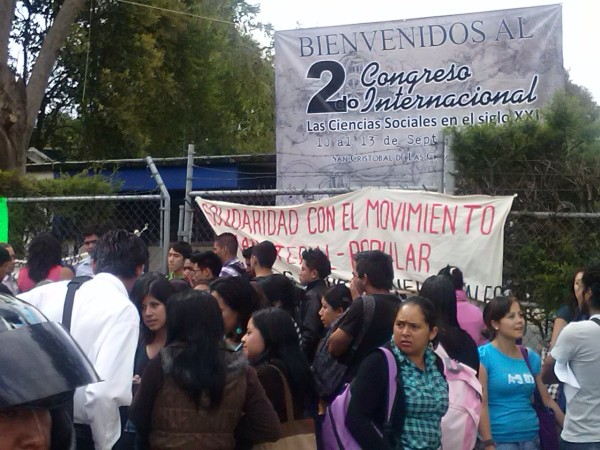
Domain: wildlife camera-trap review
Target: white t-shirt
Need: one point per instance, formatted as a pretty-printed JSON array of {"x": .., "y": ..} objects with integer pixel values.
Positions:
[
  {"x": 105, "y": 324},
  {"x": 579, "y": 345}
]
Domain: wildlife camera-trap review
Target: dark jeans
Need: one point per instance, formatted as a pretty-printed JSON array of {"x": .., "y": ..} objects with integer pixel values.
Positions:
[
  {"x": 83, "y": 436},
  {"x": 564, "y": 445},
  {"x": 85, "y": 441}
]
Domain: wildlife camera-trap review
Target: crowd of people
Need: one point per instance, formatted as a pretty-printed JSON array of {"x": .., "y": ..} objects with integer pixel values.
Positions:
[{"x": 222, "y": 354}]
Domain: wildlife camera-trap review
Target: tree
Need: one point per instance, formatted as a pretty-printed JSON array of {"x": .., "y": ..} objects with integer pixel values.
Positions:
[
  {"x": 21, "y": 99},
  {"x": 553, "y": 165},
  {"x": 129, "y": 81},
  {"x": 157, "y": 81}
]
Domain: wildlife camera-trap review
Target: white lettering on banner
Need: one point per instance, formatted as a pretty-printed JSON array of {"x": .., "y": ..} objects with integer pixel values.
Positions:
[
  {"x": 366, "y": 104},
  {"x": 421, "y": 231}
]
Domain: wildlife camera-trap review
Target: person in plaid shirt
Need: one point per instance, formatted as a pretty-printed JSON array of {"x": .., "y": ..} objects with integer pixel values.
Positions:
[{"x": 422, "y": 397}]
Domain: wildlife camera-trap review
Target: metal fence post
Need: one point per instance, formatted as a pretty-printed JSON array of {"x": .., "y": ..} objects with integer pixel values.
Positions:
[
  {"x": 188, "y": 207},
  {"x": 165, "y": 213}
]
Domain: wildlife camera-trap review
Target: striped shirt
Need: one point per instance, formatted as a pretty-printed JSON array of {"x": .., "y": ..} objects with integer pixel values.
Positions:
[{"x": 232, "y": 268}]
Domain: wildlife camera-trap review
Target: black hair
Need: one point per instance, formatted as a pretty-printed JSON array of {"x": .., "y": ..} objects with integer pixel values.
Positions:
[
  {"x": 119, "y": 253},
  {"x": 315, "y": 259},
  {"x": 455, "y": 275},
  {"x": 229, "y": 241},
  {"x": 92, "y": 229},
  {"x": 440, "y": 290},
  {"x": 282, "y": 347},
  {"x": 195, "y": 325},
  {"x": 426, "y": 307},
  {"x": 247, "y": 252},
  {"x": 571, "y": 299},
  {"x": 378, "y": 266},
  {"x": 239, "y": 295},
  {"x": 181, "y": 247},
  {"x": 156, "y": 285},
  {"x": 591, "y": 280},
  {"x": 338, "y": 296},
  {"x": 4, "y": 256},
  {"x": 282, "y": 291},
  {"x": 43, "y": 253},
  {"x": 496, "y": 309},
  {"x": 209, "y": 260},
  {"x": 265, "y": 253},
  {"x": 179, "y": 285}
]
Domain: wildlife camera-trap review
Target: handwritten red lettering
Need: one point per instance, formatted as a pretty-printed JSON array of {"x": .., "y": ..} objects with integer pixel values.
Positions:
[
  {"x": 471, "y": 208},
  {"x": 348, "y": 212},
  {"x": 491, "y": 211}
]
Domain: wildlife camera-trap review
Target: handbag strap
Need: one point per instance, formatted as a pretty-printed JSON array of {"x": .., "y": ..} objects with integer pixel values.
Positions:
[
  {"x": 287, "y": 393},
  {"x": 525, "y": 354}
]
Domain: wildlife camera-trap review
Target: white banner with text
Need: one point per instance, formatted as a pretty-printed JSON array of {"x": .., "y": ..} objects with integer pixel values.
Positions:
[{"x": 421, "y": 231}]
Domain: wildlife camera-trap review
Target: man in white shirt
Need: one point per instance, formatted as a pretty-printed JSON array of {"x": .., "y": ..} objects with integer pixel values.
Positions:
[
  {"x": 577, "y": 349},
  {"x": 105, "y": 324}
]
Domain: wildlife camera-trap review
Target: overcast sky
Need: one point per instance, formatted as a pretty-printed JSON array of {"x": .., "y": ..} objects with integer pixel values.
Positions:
[{"x": 581, "y": 27}]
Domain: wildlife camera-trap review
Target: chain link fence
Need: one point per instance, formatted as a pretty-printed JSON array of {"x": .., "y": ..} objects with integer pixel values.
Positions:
[
  {"x": 541, "y": 250},
  {"x": 66, "y": 217}
]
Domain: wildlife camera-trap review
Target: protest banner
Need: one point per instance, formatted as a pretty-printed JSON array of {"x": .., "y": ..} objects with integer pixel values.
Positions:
[
  {"x": 366, "y": 104},
  {"x": 421, "y": 231}
]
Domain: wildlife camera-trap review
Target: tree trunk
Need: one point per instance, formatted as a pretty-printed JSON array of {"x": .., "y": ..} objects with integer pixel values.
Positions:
[
  {"x": 13, "y": 104},
  {"x": 20, "y": 104}
]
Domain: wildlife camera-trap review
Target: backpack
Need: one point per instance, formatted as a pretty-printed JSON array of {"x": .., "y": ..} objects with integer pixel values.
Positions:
[
  {"x": 329, "y": 373},
  {"x": 459, "y": 424},
  {"x": 335, "y": 435}
]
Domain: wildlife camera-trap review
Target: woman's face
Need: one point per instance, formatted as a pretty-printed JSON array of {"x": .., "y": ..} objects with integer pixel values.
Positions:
[
  {"x": 411, "y": 333},
  {"x": 578, "y": 288},
  {"x": 512, "y": 325},
  {"x": 154, "y": 313},
  {"x": 253, "y": 342},
  {"x": 327, "y": 314},
  {"x": 230, "y": 317}
]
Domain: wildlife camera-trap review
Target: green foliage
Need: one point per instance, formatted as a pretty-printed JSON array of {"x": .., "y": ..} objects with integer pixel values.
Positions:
[
  {"x": 553, "y": 165},
  {"x": 151, "y": 82},
  {"x": 28, "y": 219}
]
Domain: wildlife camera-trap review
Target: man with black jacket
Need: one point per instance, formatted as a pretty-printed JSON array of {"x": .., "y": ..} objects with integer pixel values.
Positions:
[{"x": 315, "y": 268}]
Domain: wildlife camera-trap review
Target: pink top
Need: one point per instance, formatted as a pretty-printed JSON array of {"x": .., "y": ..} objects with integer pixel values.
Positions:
[
  {"x": 470, "y": 317},
  {"x": 26, "y": 284}
]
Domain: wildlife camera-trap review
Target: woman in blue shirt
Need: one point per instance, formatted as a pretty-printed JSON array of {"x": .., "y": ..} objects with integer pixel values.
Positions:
[{"x": 508, "y": 420}]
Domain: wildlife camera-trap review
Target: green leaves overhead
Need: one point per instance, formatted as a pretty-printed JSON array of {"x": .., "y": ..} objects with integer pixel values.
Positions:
[{"x": 153, "y": 81}]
